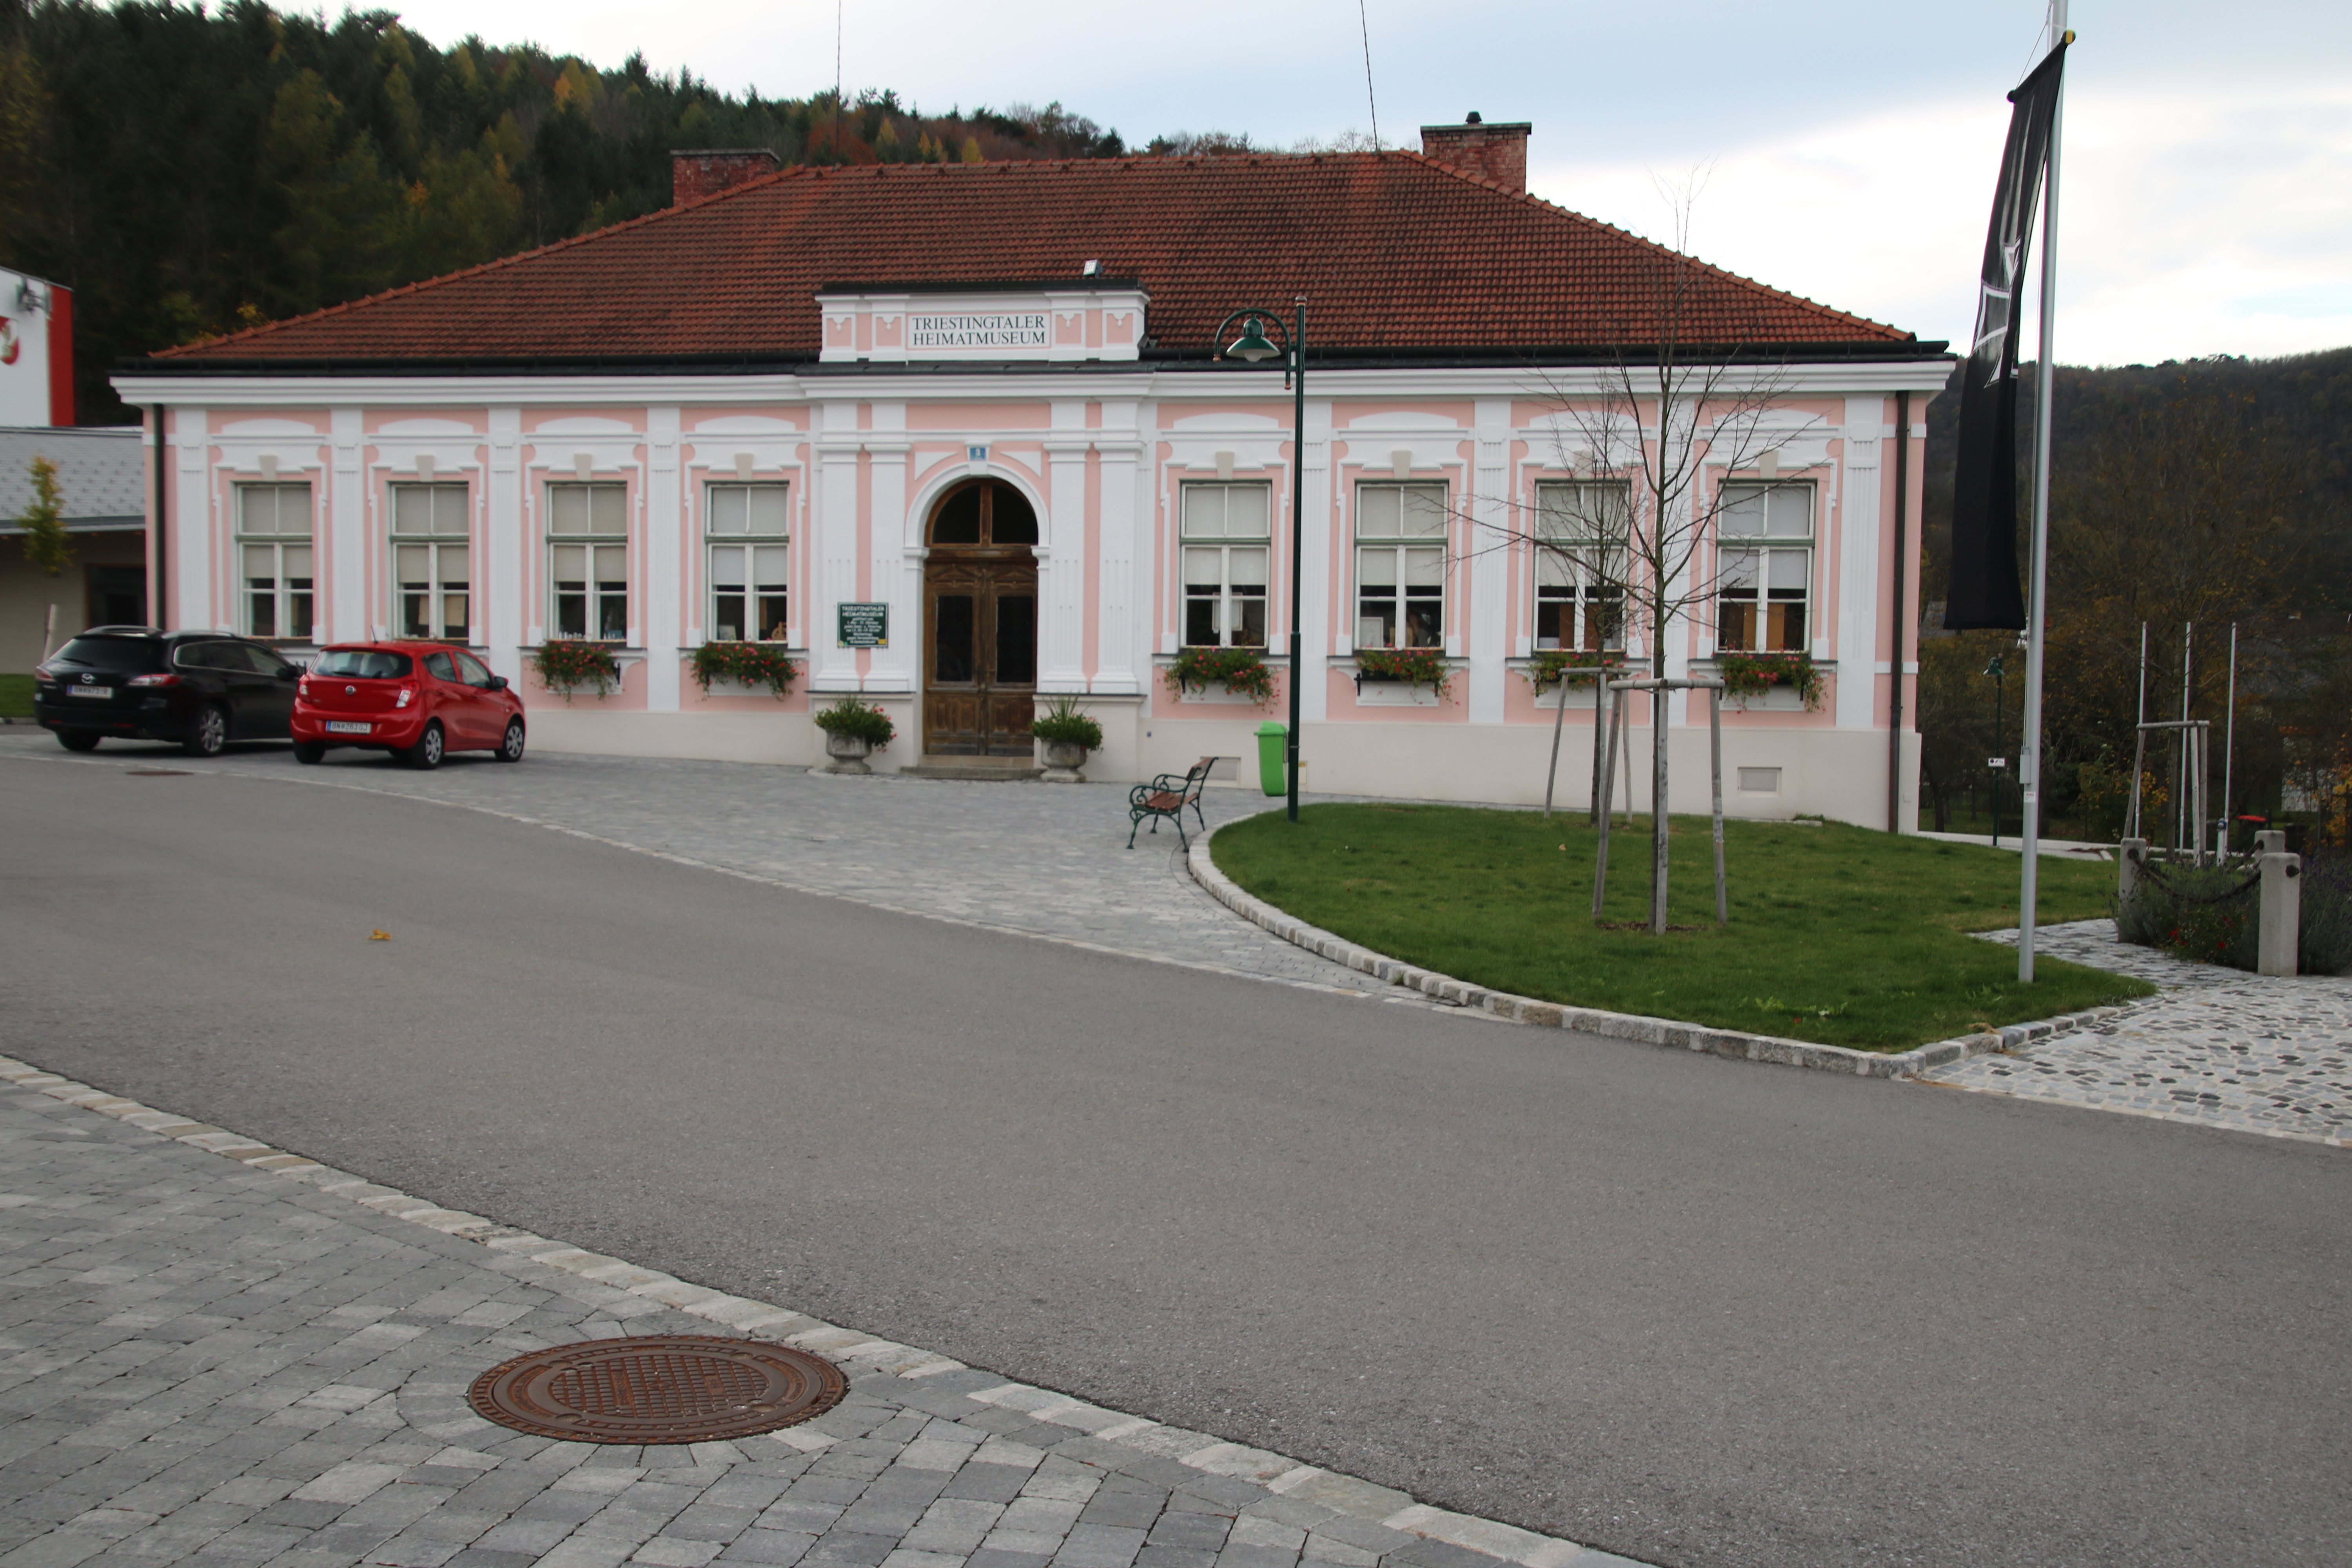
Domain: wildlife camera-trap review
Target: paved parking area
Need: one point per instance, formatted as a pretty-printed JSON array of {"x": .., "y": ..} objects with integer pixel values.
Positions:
[
  {"x": 2219, "y": 1049},
  {"x": 204, "y": 1361},
  {"x": 1048, "y": 861}
]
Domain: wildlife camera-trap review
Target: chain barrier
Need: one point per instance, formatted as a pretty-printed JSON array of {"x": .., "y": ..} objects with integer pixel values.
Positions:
[{"x": 2155, "y": 871}]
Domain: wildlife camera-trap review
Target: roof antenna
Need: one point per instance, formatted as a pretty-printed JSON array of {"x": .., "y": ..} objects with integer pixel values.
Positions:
[{"x": 1365, "y": 24}]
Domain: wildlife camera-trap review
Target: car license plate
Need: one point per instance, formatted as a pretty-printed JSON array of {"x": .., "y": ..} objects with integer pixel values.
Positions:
[
  {"x": 346, "y": 727},
  {"x": 100, "y": 693}
]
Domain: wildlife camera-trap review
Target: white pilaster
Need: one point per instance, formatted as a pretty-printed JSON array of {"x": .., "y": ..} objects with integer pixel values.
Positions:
[
  {"x": 503, "y": 582},
  {"x": 665, "y": 526},
  {"x": 192, "y": 547},
  {"x": 1856, "y": 649},
  {"x": 1062, "y": 558},
  {"x": 1119, "y": 639},
  {"x": 1489, "y": 608},
  {"x": 345, "y": 522},
  {"x": 887, "y": 451},
  {"x": 1315, "y": 566},
  {"x": 838, "y": 458}
]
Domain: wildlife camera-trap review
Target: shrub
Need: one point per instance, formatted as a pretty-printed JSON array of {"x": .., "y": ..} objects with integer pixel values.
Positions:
[
  {"x": 1063, "y": 722},
  {"x": 1417, "y": 667},
  {"x": 1751, "y": 675},
  {"x": 567, "y": 664},
  {"x": 753, "y": 663},
  {"x": 1237, "y": 670},
  {"x": 2326, "y": 913},
  {"x": 2169, "y": 912},
  {"x": 848, "y": 716}
]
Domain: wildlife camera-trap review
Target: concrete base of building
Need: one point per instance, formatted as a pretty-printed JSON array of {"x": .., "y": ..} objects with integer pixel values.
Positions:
[{"x": 1777, "y": 774}]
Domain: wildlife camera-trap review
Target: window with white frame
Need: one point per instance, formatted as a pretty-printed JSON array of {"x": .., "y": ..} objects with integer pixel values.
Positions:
[
  {"x": 432, "y": 565},
  {"x": 275, "y": 562},
  {"x": 1580, "y": 537},
  {"x": 747, "y": 528},
  {"x": 1224, "y": 537},
  {"x": 1400, "y": 565},
  {"x": 1764, "y": 568},
  {"x": 588, "y": 559}
]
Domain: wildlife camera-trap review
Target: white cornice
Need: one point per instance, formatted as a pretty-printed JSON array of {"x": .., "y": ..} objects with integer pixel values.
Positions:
[{"x": 1823, "y": 378}]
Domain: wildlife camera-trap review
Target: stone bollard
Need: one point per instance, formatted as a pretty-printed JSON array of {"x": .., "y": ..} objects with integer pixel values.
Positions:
[
  {"x": 2129, "y": 855},
  {"x": 2272, "y": 842},
  {"x": 2281, "y": 917}
]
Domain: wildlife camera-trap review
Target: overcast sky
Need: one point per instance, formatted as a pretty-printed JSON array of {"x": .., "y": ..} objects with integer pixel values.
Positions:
[{"x": 1844, "y": 151}]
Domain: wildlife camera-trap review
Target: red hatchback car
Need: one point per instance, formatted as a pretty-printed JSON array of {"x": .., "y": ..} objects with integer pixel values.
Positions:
[{"x": 417, "y": 701}]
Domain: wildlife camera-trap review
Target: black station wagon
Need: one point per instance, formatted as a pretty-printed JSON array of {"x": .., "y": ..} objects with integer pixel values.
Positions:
[{"x": 203, "y": 689}]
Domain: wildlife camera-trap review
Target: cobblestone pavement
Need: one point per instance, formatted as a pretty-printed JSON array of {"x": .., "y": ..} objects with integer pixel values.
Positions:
[
  {"x": 1044, "y": 860},
  {"x": 217, "y": 1353},
  {"x": 2219, "y": 1049}
]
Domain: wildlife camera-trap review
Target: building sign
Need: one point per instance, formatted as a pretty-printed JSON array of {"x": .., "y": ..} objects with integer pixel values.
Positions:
[
  {"x": 928, "y": 335},
  {"x": 865, "y": 626},
  {"x": 1086, "y": 318}
]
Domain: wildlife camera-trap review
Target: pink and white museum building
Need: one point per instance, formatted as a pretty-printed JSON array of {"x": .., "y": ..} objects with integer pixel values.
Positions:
[{"x": 952, "y": 437}]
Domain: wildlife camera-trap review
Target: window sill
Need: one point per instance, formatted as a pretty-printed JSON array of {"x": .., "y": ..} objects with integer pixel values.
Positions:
[
  {"x": 795, "y": 650},
  {"x": 1396, "y": 691},
  {"x": 1780, "y": 697},
  {"x": 1216, "y": 694}
]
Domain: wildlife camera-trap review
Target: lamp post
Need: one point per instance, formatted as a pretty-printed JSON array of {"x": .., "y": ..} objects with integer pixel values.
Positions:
[
  {"x": 1996, "y": 672},
  {"x": 1251, "y": 347}
]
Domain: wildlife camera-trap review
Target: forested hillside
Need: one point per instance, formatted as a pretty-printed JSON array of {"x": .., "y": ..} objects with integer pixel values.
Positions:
[
  {"x": 187, "y": 172},
  {"x": 2207, "y": 493}
]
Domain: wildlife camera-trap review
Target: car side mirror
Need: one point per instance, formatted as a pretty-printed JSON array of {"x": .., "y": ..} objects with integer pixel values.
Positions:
[
  {"x": 498, "y": 683},
  {"x": 289, "y": 672}
]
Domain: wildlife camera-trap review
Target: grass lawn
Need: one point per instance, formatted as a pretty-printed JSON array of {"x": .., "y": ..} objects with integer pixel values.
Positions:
[
  {"x": 16, "y": 696},
  {"x": 1838, "y": 934}
]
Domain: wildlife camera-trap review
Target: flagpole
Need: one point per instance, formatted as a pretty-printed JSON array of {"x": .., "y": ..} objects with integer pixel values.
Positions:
[{"x": 2029, "y": 749}]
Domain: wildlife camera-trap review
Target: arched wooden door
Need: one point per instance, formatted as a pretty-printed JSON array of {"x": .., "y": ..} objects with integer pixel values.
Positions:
[{"x": 979, "y": 624}]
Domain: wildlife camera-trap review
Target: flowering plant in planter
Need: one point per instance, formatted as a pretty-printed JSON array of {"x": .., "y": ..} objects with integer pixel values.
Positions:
[
  {"x": 1751, "y": 675},
  {"x": 1237, "y": 670},
  {"x": 753, "y": 663},
  {"x": 1416, "y": 667},
  {"x": 567, "y": 664},
  {"x": 847, "y": 716},
  {"x": 1062, "y": 721},
  {"x": 1550, "y": 666}
]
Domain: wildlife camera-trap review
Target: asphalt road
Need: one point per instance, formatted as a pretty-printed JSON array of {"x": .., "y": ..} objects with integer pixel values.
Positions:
[{"x": 1694, "y": 1311}]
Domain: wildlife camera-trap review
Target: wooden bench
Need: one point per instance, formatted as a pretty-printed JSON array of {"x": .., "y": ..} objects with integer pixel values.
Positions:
[{"x": 1167, "y": 796}]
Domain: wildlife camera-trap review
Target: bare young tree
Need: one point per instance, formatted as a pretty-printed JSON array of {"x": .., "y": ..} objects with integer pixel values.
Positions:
[{"x": 1647, "y": 528}]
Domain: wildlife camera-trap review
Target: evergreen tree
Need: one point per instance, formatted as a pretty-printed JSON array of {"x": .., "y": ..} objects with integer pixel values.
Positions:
[{"x": 45, "y": 544}]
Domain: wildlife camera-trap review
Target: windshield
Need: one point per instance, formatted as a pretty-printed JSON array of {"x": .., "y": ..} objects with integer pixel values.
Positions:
[
  {"x": 127, "y": 655},
  {"x": 362, "y": 663}
]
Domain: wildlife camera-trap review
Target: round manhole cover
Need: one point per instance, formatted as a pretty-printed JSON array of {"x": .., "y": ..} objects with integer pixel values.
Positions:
[{"x": 660, "y": 1388}]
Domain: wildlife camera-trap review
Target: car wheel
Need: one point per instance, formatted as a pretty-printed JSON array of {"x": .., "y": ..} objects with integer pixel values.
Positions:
[
  {"x": 430, "y": 746},
  {"x": 510, "y": 749},
  {"x": 210, "y": 735},
  {"x": 308, "y": 752},
  {"x": 81, "y": 740}
]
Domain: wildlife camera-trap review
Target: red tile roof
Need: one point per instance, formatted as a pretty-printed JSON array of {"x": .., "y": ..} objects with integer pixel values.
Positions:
[{"x": 1394, "y": 252}]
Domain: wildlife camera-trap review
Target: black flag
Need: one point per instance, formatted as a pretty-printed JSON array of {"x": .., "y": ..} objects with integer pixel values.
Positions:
[{"x": 1984, "y": 588}]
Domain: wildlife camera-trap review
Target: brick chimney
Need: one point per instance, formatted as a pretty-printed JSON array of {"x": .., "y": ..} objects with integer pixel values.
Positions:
[
  {"x": 1497, "y": 151},
  {"x": 695, "y": 174}
]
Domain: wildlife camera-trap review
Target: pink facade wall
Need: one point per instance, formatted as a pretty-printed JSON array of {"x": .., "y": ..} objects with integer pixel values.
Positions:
[{"x": 1104, "y": 461}]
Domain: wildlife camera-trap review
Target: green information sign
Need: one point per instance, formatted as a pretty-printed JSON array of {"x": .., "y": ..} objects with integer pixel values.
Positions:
[{"x": 865, "y": 626}]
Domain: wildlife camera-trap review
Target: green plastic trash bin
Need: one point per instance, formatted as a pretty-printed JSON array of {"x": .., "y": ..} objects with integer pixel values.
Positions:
[{"x": 1273, "y": 748}]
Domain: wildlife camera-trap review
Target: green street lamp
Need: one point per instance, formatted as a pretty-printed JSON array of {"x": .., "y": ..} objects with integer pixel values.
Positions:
[
  {"x": 1253, "y": 348},
  {"x": 1995, "y": 671}
]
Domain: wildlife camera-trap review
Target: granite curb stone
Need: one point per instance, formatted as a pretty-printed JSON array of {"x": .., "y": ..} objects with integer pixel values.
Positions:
[{"x": 1066, "y": 1452}]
